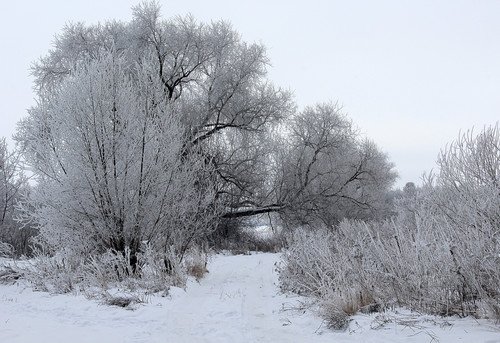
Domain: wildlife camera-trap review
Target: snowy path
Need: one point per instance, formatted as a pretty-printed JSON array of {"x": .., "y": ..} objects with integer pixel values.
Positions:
[{"x": 238, "y": 301}]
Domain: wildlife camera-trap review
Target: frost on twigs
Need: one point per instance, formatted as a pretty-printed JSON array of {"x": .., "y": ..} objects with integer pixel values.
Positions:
[{"x": 336, "y": 318}]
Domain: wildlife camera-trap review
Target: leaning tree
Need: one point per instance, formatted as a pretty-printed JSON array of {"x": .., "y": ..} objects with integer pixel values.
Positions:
[{"x": 326, "y": 173}]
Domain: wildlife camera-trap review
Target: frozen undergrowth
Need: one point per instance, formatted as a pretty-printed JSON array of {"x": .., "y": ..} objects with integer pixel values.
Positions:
[{"x": 237, "y": 301}]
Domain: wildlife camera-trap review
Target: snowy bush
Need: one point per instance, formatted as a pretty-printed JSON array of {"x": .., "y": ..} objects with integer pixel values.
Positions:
[
  {"x": 9, "y": 275},
  {"x": 383, "y": 264},
  {"x": 155, "y": 272},
  {"x": 66, "y": 271},
  {"x": 440, "y": 254},
  {"x": 54, "y": 274},
  {"x": 121, "y": 301},
  {"x": 310, "y": 263}
]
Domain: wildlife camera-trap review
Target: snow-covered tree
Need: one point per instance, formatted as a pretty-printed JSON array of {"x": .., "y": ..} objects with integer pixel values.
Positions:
[
  {"x": 11, "y": 181},
  {"x": 108, "y": 151},
  {"x": 146, "y": 131},
  {"x": 216, "y": 82},
  {"x": 328, "y": 173}
]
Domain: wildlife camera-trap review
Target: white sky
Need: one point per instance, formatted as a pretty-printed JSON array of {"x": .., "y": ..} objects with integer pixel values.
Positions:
[{"x": 410, "y": 74}]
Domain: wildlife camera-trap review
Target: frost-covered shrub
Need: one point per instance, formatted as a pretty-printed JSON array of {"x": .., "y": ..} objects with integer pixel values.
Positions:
[
  {"x": 310, "y": 263},
  {"x": 336, "y": 318},
  {"x": 439, "y": 254},
  {"x": 325, "y": 264},
  {"x": 55, "y": 274},
  {"x": 317, "y": 264},
  {"x": 363, "y": 265},
  {"x": 121, "y": 301},
  {"x": 152, "y": 274},
  {"x": 66, "y": 271}
]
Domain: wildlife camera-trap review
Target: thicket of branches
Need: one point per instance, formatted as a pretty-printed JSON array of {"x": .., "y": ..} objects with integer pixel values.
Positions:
[{"x": 440, "y": 254}]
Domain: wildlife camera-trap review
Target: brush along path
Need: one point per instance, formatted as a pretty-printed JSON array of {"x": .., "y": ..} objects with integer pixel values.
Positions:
[{"x": 237, "y": 301}]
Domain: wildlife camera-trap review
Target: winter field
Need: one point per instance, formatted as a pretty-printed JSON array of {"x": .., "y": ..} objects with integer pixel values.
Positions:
[
  {"x": 237, "y": 301},
  {"x": 163, "y": 188}
]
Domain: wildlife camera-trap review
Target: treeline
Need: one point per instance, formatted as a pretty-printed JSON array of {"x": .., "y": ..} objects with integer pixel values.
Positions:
[{"x": 160, "y": 130}]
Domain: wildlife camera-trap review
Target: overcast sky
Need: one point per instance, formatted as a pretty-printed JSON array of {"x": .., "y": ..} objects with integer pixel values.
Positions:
[{"x": 410, "y": 74}]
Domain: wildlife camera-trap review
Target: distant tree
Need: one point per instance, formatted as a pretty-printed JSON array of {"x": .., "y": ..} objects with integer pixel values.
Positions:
[
  {"x": 409, "y": 190},
  {"x": 13, "y": 184}
]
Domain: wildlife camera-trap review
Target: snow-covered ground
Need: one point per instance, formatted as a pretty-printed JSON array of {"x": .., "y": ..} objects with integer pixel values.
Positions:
[{"x": 238, "y": 301}]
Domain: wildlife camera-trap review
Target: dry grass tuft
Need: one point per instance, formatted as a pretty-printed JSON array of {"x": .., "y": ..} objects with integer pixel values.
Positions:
[
  {"x": 121, "y": 301},
  {"x": 198, "y": 271}
]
